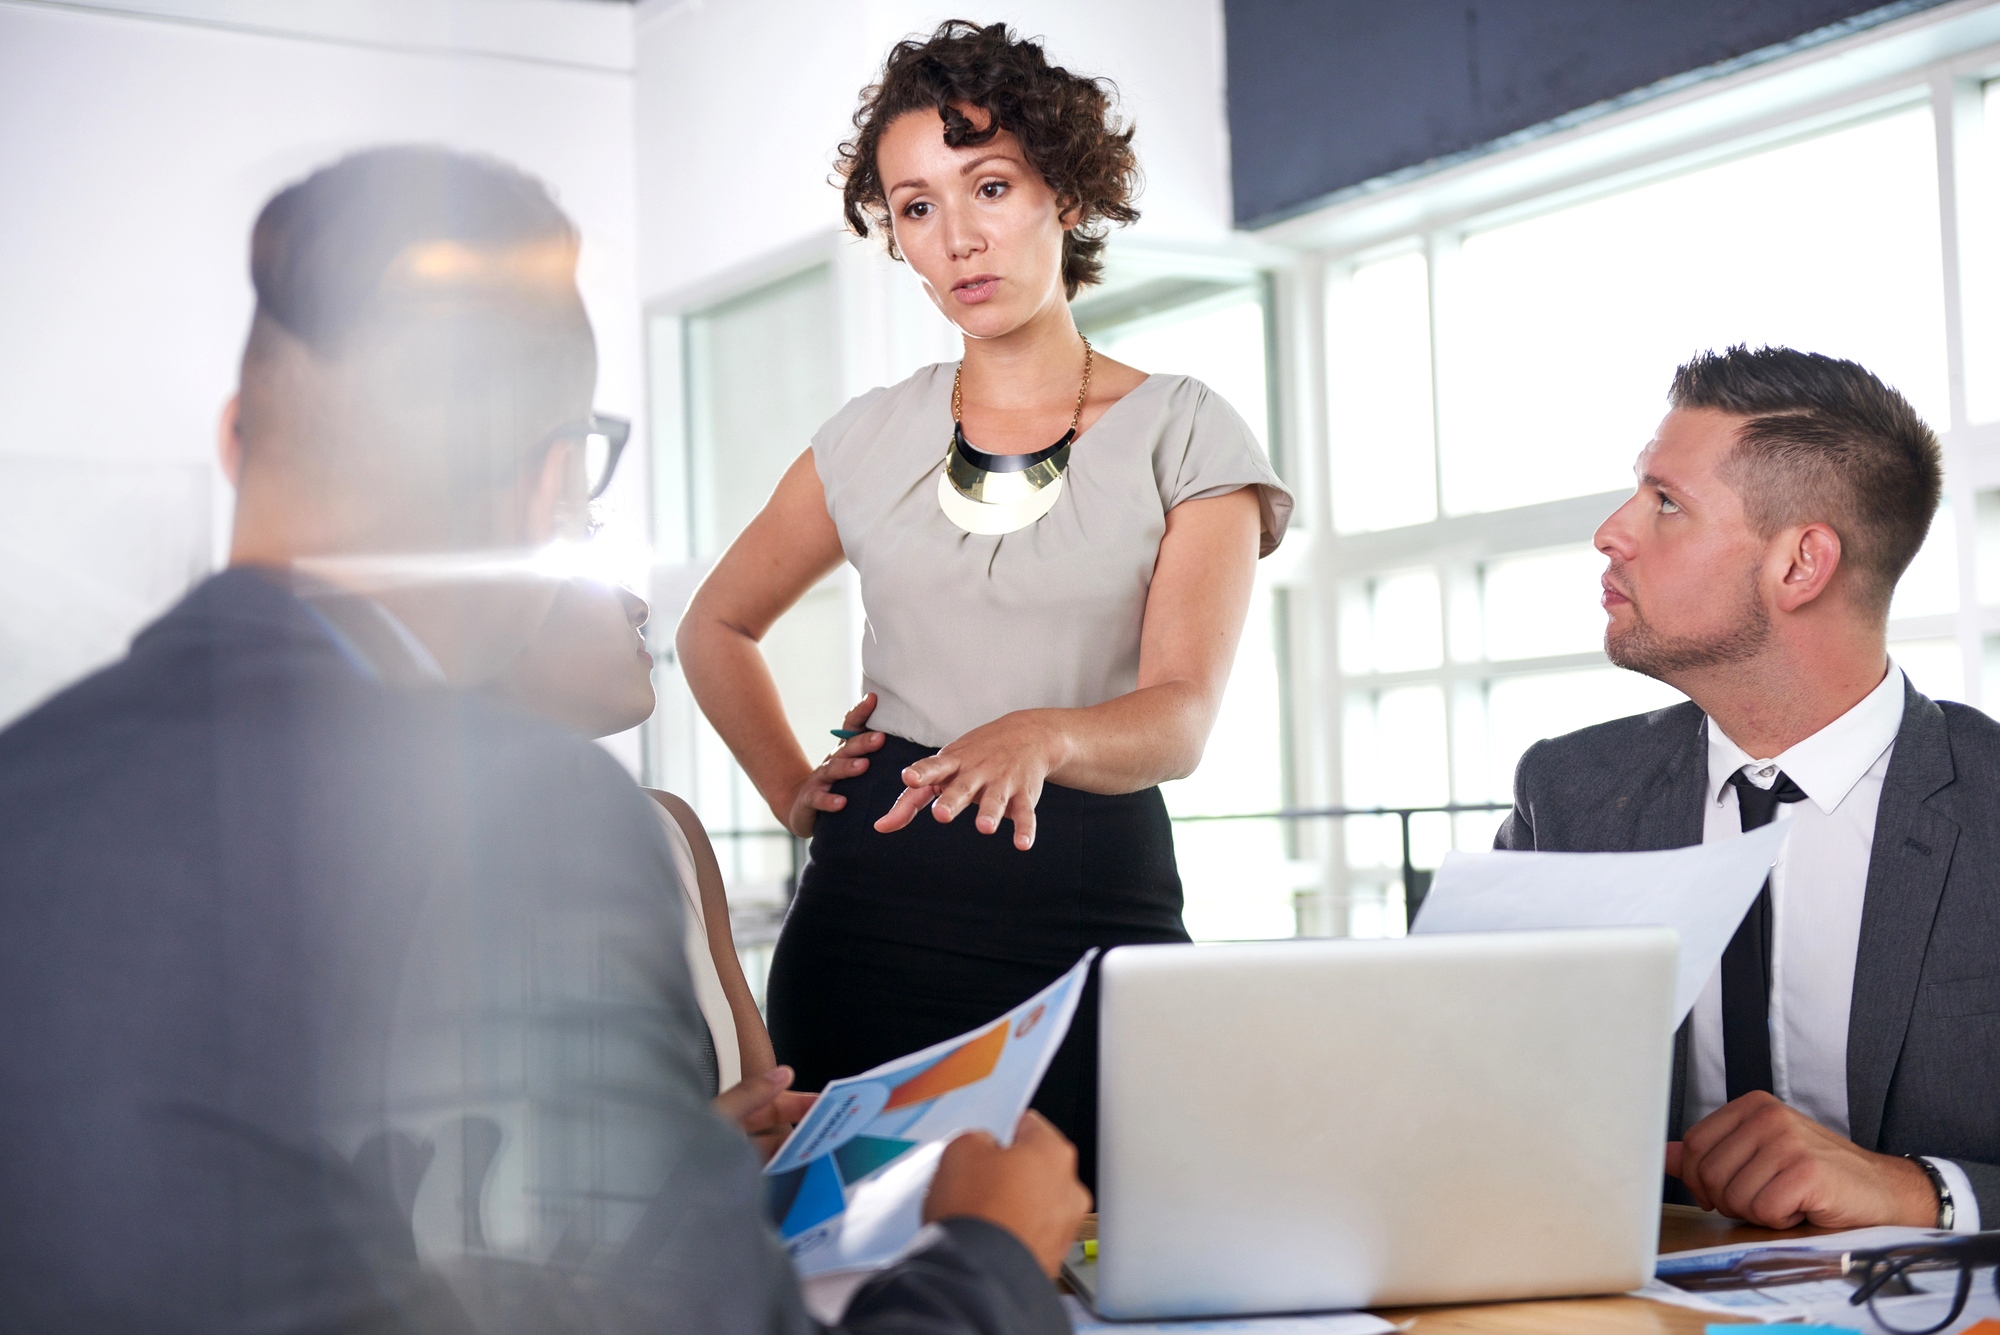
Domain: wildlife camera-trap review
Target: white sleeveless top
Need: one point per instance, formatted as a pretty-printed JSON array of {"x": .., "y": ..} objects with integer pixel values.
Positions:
[
  {"x": 964, "y": 628},
  {"x": 708, "y": 991}
]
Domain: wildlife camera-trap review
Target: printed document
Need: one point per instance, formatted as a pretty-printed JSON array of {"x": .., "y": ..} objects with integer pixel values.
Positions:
[
  {"x": 846, "y": 1189},
  {"x": 1701, "y": 892},
  {"x": 1802, "y": 1279}
]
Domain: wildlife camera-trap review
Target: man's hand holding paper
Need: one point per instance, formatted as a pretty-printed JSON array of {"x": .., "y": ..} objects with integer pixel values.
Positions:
[{"x": 1028, "y": 1188}]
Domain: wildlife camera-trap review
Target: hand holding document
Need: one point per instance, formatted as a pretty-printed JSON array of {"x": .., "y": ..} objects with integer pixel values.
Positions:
[
  {"x": 846, "y": 1190},
  {"x": 1701, "y": 892}
]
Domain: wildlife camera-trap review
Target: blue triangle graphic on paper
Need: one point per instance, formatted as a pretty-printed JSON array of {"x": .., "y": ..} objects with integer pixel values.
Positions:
[
  {"x": 864, "y": 1154},
  {"x": 779, "y": 1193},
  {"x": 820, "y": 1198}
]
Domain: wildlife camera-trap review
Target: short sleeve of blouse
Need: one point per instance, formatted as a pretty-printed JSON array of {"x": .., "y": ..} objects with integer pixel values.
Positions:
[
  {"x": 1208, "y": 450},
  {"x": 839, "y": 450}
]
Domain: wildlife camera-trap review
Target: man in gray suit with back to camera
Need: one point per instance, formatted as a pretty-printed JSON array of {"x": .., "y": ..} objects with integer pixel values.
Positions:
[
  {"x": 1842, "y": 1067},
  {"x": 340, "y": 996}
]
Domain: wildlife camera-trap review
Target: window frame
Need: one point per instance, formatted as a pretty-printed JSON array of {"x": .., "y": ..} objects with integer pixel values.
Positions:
[{"x": 1945, "y": 60}]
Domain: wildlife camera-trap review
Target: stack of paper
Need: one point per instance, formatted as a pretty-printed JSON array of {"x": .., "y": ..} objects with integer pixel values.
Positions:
[{"x": 1803, "y": 1280}]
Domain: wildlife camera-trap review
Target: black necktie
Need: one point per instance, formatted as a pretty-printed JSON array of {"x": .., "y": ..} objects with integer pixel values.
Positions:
[{"x": 1746, "y": 964}]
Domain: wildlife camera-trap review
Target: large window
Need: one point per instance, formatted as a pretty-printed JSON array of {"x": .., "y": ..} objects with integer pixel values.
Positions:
[
  {"x": 1237, "y": 876},
  {"x": 738, "y": 428},
  {"x": 1455, "y": 375},
  {"x": 1488, "y": 384}
]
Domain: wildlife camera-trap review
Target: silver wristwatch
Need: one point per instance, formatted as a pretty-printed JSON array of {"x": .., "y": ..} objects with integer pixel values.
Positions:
[{"x": 1947, "y": 1212}]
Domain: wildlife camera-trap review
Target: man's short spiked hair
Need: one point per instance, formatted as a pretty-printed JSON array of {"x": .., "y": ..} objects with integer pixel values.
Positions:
[{"x": 1825, "y": 440}]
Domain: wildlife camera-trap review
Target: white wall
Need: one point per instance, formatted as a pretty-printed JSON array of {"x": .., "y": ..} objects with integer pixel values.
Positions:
[
  {"x": 137, "y": 141},
  {"x": 740, "y": 107}
]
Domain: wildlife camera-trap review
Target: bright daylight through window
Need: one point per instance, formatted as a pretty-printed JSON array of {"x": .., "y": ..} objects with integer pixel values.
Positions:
[
  {"x": 1481, "y": 376},
  {"x": 1486, "y": 384},
  {"x": 1237, "y": 879}
]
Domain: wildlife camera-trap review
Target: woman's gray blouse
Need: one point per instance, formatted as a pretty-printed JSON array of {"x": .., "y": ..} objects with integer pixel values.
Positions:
[{"x": 961, "y": 628}]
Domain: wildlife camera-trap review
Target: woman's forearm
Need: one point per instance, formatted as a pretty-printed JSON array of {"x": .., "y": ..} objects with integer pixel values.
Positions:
[
  {"x": 732, "y": 684},
  {"x": 753, "y": 1040},
  {"x": 1195, "y": 611},
  {"x": 1154, "y": 734},
  {"x": 787, "y": 548}
]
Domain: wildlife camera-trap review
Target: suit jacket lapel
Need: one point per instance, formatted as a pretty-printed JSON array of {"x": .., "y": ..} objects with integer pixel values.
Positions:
[
  {"x": 1672, "y": 818},
  {"x": 1906, "y": 874}
]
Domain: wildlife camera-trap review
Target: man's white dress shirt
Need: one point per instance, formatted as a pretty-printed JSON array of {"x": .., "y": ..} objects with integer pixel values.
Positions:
[{"x": 1817, "y": 889}]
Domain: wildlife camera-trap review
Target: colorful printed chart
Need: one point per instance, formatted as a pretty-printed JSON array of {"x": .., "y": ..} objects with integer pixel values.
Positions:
[{"x": 846, "y": 1190}]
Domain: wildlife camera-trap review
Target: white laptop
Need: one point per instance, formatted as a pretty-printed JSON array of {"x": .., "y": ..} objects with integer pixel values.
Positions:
[{"x": 1309, "y": 1125}]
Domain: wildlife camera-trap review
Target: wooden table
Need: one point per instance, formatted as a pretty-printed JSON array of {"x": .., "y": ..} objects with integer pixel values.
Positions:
[{"x": 1682, "y": 1228}]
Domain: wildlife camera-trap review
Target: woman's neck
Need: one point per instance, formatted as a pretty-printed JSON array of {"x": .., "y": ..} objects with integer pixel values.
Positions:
[
  {"x": 1038, "y": 363},
  {"x": 1022, "y": 386}
]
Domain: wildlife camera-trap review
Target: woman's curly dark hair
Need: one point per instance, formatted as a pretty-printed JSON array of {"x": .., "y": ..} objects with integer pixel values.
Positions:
[{"x": 1063, "y": 121}]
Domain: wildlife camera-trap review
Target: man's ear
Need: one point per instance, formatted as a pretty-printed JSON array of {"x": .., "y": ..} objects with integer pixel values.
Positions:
[
  {"x": 555, "y": 501},
  {"x": 229, "y": 440},
  {"x": 1811, "y": 557}
]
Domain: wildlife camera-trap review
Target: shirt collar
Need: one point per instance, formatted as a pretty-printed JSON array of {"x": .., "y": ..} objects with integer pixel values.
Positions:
[
  {"x": 427, "y": 667},
  {"x": 1829, "y": 763},
  {"x": 371, "y": 637}
]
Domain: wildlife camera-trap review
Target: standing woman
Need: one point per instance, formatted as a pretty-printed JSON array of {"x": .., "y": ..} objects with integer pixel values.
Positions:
[{"x": 1050, "y": 626}]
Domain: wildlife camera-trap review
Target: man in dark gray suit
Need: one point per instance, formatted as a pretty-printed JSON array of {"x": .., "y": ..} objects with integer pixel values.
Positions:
[
  {"x": 336, "y": 997},
  {"x": 1843, "y": 1066}
]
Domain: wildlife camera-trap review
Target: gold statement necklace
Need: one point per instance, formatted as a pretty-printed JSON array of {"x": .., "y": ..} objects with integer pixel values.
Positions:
[{"x": 991, "y": 494}]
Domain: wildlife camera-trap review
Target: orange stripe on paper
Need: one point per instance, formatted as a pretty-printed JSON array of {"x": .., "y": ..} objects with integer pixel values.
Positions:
[{"x": 972, "y": 1062}]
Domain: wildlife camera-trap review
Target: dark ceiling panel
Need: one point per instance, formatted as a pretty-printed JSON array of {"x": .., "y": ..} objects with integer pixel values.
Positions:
[{"x": 1326, "y": 94}]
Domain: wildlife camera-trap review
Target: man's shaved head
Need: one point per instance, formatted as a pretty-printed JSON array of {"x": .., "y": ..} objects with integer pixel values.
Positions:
[{"x": 418, "y": 335}]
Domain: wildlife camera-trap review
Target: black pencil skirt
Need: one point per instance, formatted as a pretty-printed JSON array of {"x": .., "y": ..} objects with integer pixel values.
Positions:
[{"x": 897, "y": 941}]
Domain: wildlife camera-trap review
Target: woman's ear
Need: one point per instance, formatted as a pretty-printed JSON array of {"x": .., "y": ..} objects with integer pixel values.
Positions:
[{"x": 229, "y": 440}]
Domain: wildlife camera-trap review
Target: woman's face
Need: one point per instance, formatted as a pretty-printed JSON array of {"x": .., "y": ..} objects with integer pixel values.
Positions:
[
  {"x": 978, "y": 225},
  {"x": 587, "y": 665}
]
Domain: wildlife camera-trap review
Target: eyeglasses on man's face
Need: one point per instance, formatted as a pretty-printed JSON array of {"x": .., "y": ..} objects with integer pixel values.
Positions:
[
  {"x": 1944, "y": 1270},
  {"x": 600, "y": 440}
]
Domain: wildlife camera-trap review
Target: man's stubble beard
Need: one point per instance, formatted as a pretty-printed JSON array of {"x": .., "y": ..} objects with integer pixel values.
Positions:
[{"x": 1641, "y": 648}]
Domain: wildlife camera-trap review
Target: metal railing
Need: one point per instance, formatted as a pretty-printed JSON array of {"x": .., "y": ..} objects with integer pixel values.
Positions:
[{"x": 1416, "y": 880}]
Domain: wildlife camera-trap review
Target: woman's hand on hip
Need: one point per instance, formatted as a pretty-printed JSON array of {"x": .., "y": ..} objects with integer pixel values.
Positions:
[
  {"x": 815, "y": 792},
  {"x": 1000, "y": 768}
]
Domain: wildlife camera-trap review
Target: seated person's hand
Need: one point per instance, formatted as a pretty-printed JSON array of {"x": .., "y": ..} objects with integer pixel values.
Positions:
[
  {"x": 1758, "y": 1160},
  {"x": 766, "y": 1109},
  {"x": 1030, "y": 1188}
]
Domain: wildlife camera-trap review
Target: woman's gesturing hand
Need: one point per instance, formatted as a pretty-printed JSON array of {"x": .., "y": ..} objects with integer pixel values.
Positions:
[
  {"x": 1000, "y": 767},
  {"x": 815, "y": 792}
]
